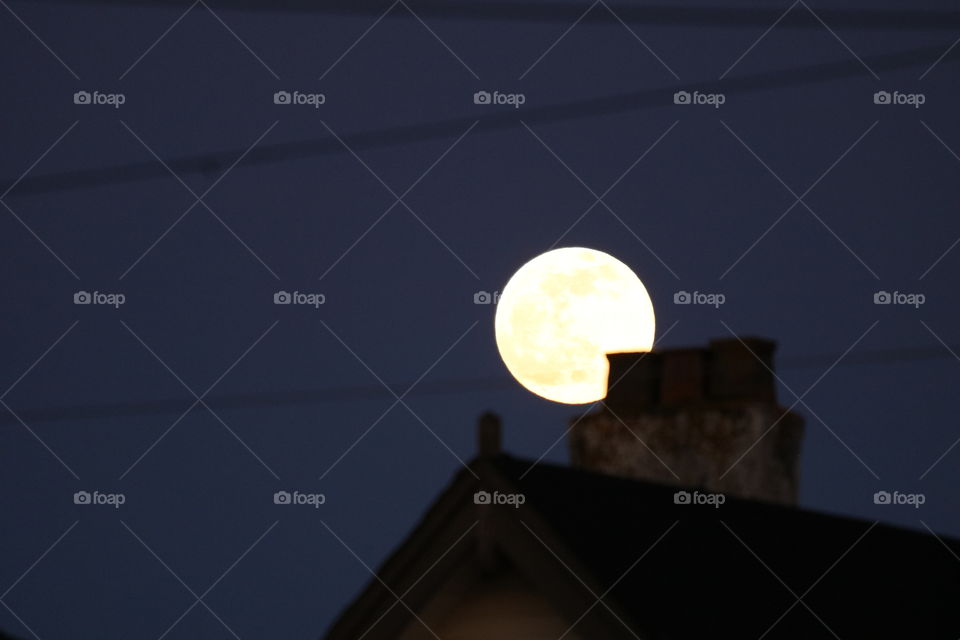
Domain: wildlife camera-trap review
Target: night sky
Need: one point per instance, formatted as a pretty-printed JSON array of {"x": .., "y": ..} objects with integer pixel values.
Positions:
[{"x": 398, "y": 199}]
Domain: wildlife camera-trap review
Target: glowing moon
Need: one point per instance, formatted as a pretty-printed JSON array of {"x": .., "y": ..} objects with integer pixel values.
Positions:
[{"x": 559, "y": 316}]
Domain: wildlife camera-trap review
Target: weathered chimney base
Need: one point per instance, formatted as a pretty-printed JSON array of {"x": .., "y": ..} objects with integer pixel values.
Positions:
[
  {"x": 698, "y": 417},
  {"x": 728, "y": 450}
]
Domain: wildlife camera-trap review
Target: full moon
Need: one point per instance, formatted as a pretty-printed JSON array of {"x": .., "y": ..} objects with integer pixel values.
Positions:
[{"x": 561, "y": 313}]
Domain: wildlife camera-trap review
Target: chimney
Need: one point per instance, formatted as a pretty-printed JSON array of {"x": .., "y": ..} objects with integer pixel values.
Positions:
[{"x": 696, "y": 417}]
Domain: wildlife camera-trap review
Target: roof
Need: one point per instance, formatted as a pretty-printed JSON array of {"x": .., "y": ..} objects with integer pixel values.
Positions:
[{"x": 620, "y": 558}]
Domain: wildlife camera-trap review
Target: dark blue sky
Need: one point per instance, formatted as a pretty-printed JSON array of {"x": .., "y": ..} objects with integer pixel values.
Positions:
[{"x": 492, "y": 186}]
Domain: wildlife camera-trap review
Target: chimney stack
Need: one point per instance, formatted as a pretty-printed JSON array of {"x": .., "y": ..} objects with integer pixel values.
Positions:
[{"x": 698, "y": 417}]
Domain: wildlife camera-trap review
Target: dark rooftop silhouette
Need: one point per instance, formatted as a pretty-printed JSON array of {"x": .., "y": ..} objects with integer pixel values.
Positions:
[{"x": 700, "y": 571}]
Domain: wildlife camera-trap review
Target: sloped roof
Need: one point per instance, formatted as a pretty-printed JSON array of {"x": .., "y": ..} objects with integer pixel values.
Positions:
[{"x": 664, "y": 570}]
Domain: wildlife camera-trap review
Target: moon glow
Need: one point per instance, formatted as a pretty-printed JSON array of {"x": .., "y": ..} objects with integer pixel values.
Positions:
[{"x": 561, "y": 313}]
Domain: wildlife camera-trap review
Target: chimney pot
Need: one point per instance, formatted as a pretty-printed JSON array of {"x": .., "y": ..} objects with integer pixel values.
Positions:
[
  {"x": 633, "y": 383},
  {"x": 683, "y": 379},
  {"x": 741, "y": 369}
]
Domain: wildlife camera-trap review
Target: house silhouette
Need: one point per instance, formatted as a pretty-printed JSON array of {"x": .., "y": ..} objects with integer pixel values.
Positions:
[{"x": 512, "y": 548}]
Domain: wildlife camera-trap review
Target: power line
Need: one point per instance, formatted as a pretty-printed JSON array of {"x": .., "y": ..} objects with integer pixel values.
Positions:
[
  {"x": 213, "y": 163},
  {"x": 567, "y": 12},
  {"x": 307, "y": 397}
]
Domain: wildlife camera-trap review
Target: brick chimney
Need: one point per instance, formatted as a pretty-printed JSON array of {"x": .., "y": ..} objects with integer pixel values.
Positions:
[{"x": 696, "y": 417}]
